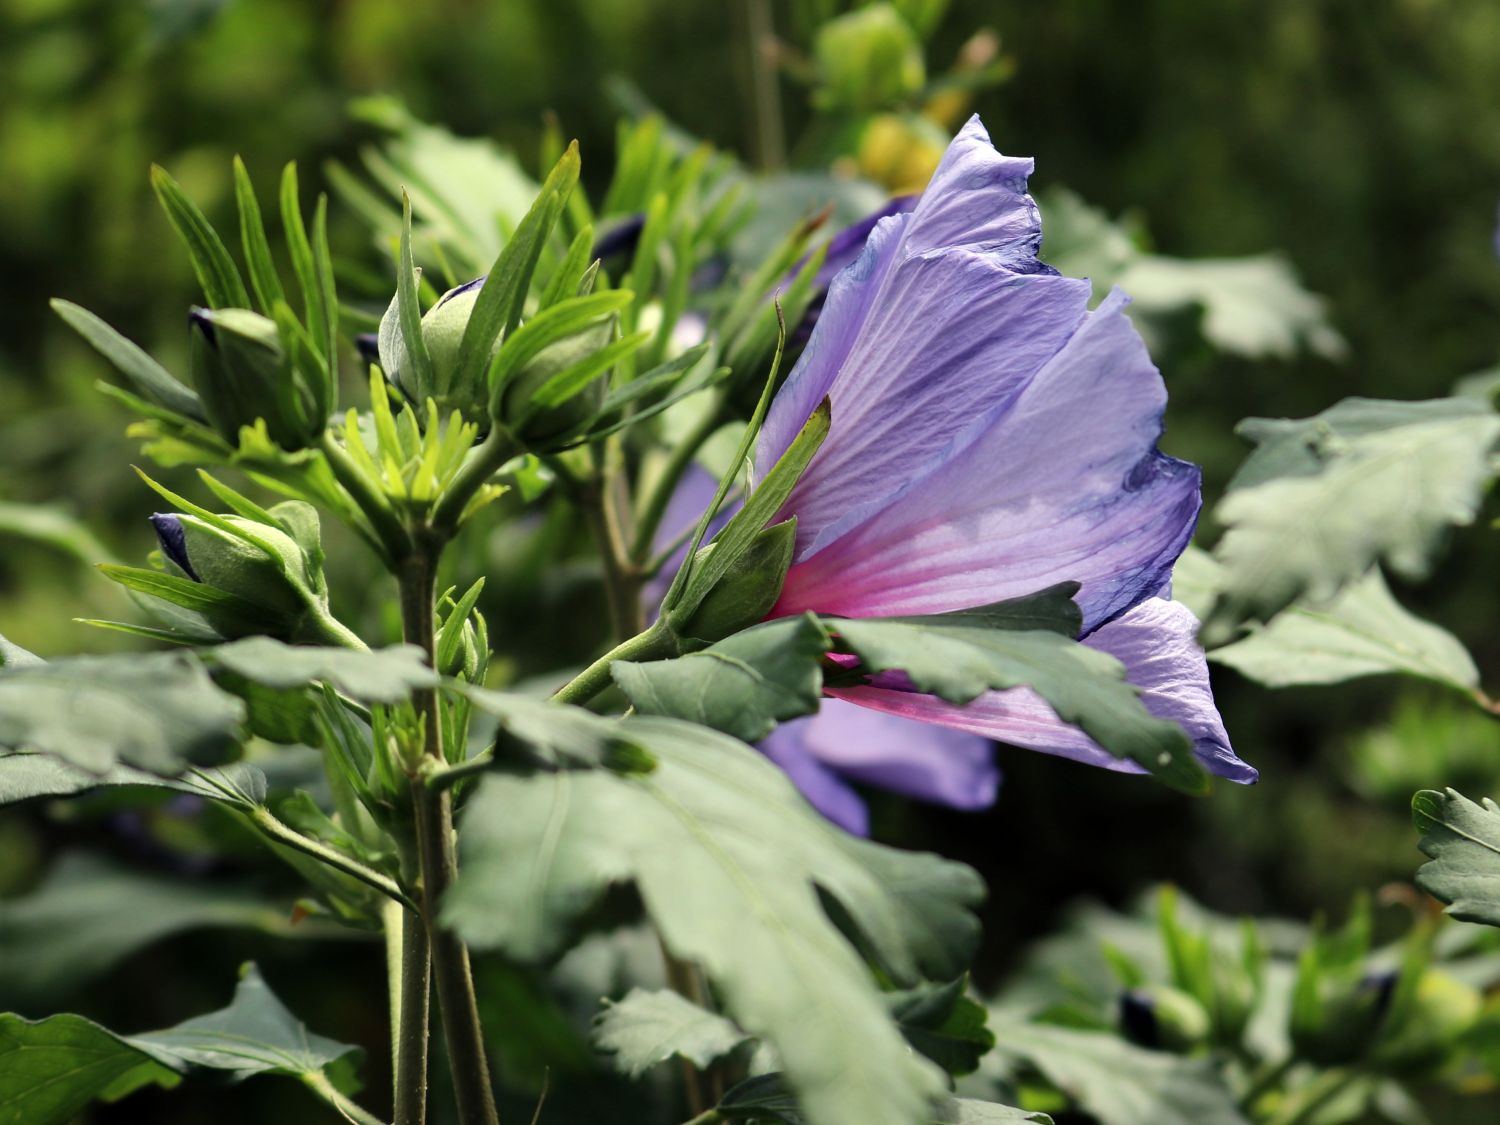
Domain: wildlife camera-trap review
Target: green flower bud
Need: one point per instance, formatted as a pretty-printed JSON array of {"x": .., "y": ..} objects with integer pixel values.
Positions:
[
  {"x": 258, "y": 578},
  {"x": 1335, "y": 1022},
  {"x": 1164, "y": 1018},
  {"x": 1420, "y": 1039},
  {"x": 243, "y": 373},
  {"x": 537, "y": 427},
  {"x": 747, "y": 591},
  {"x": 867, "y": 60}
]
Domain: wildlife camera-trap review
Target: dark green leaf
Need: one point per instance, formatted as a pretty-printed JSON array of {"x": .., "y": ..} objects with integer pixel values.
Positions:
[
  {"x": 649, "y": 1027},
  {"x": 555, "y": 734},
  {"x": 159, "y": 711},
  {"x": 728, "y": 857},
  {"x": 766, "y": 1097},
  {"x": 1115, "y": 1081},
  {"x": 387, "y": 675},
  {"x": 1332, "y": 495},
  {"x": 1084, "y": 686},
  {"x": 743, "y": 685},
  {"x": 944, "y": 1024},
  {"x": 24, "y": 777},
  {"x": 88, "y": 914},
  {"x": 1462, "y": 840},
  {"x": 50, "y": 1069}
]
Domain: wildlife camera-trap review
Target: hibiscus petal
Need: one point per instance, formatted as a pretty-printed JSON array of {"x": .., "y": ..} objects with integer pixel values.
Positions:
[
  {"x": 1059, "y": 481},
  {"x": 1155, "y": 641},
  {"x": 930, "y": 763},
  {"x": 923, "y": 283},
  {"x": 823, "y": 788}
]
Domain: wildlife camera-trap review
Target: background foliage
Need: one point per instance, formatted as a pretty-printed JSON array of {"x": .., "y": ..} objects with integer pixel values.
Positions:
[{"x": 1361, "y": 140}]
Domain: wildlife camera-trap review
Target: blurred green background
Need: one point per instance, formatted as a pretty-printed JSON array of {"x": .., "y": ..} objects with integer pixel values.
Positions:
[{"x": 1359, "y": 137}]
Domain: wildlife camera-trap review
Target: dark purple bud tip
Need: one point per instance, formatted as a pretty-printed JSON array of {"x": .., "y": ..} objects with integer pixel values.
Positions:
[
  {"x": 464, "y": 288},
  {"x": 1138, "y": 1018},
  {"x": 203, "y": 321},
  {"x": 1383, "y": 985},
  {"x": 169, "y": 535},
  {"x": 620, "y": 237},
  {"x": 368, "y": 346}
]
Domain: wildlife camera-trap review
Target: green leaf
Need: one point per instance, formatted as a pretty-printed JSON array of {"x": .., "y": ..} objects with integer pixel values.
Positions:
[
  {"x": 550, "y": 326},
  {"x": 263, "y": 276},
  {"x": 24, "y": 777},
  {"x": 555, "y": 734},
  {"x": 1364, "y": 631},
  {"x": 50, "y": 1069},
  {"x": 944, "y": 1024},
  {"x": 387, "y": 675},
  {"x": 743, "y": 685},
  {"x": 158, "y": 711},
  {"x": 766, "y": 1097},
  {"x": 728, "y": 859},
  {"x": 409, "y": 311},
  {"x": 224, "y": 608},
  {"x": 215, "y": 269},
  {"x": 1115, "y": 1081},
  {"x": 256, "y": 1034},
  {"x": 1462, "y": 841},
  {"x": 147, "y": 376},
  {"x": 88, "y": 914},
  {"x": 502, "y": 298},
  {"x": 1326, "y": 497},
  {"x": 1086, "y": 687},
  {"x": 649, "y": 1027}
]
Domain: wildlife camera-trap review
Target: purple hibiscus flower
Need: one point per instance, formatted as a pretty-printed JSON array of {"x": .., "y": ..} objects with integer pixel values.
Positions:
[{"x": 991, "y": 437}]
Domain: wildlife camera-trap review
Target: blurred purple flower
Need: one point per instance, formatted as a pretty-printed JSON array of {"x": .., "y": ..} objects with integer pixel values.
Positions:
[{"x": 991, "y": 437}]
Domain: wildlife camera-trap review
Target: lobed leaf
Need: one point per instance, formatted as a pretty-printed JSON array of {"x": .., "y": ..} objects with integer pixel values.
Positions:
[{"x": 1462, "y": 841}]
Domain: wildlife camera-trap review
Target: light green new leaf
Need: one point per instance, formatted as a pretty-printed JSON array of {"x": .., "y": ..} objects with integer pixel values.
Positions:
[
  {"x": 743, "y": 685},
  {"x": 1462, "y": 840},
  {"x": 1328, "y": 497},
  {"x": 51, "y": 1069},
  {"x": 1114, "y": 1081},
  {"x": 158, "y": 711},
  {"x": 387, "y": 675},
  {"x": 649, "y": 1027},
  {"x": 728, "y": 859},
  {"x": 1084, "y": 686},
  {"x": 88, "y": 914},
  {"x": 1364, "y": 631}
]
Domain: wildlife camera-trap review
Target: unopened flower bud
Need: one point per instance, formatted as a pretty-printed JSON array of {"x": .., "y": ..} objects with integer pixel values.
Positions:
[
  {"x": 264, "y": 579},
  {"x": 1164, "y": 1019},
  {"x": 243, "y": 373},
  {"x": 539, "y": 427},
  {"x": 748, "y": 589},
  {"x": 1422, "y": 1036}
]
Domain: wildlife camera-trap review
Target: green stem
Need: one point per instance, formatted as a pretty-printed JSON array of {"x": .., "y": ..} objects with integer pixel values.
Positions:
[
  {"x": 1264, "y": 1081},
  {"x": 666, "y": 483},
  {"x": 438, "y": 859},
  {"x": 708, "y": 1117},
  {"x": 495, "y": 450},
  {"x": 446, "y": 777},
  {"x": 318, "y": 1083},
  {"x": 334, "y": 632},
  {"x": 654, "y": 644},
  {"x": 410, "y": 963},
  {"x": 265, "y": 820},
  {"x": 621, "y": 582},
  {"x": 770, "y": 145}
]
